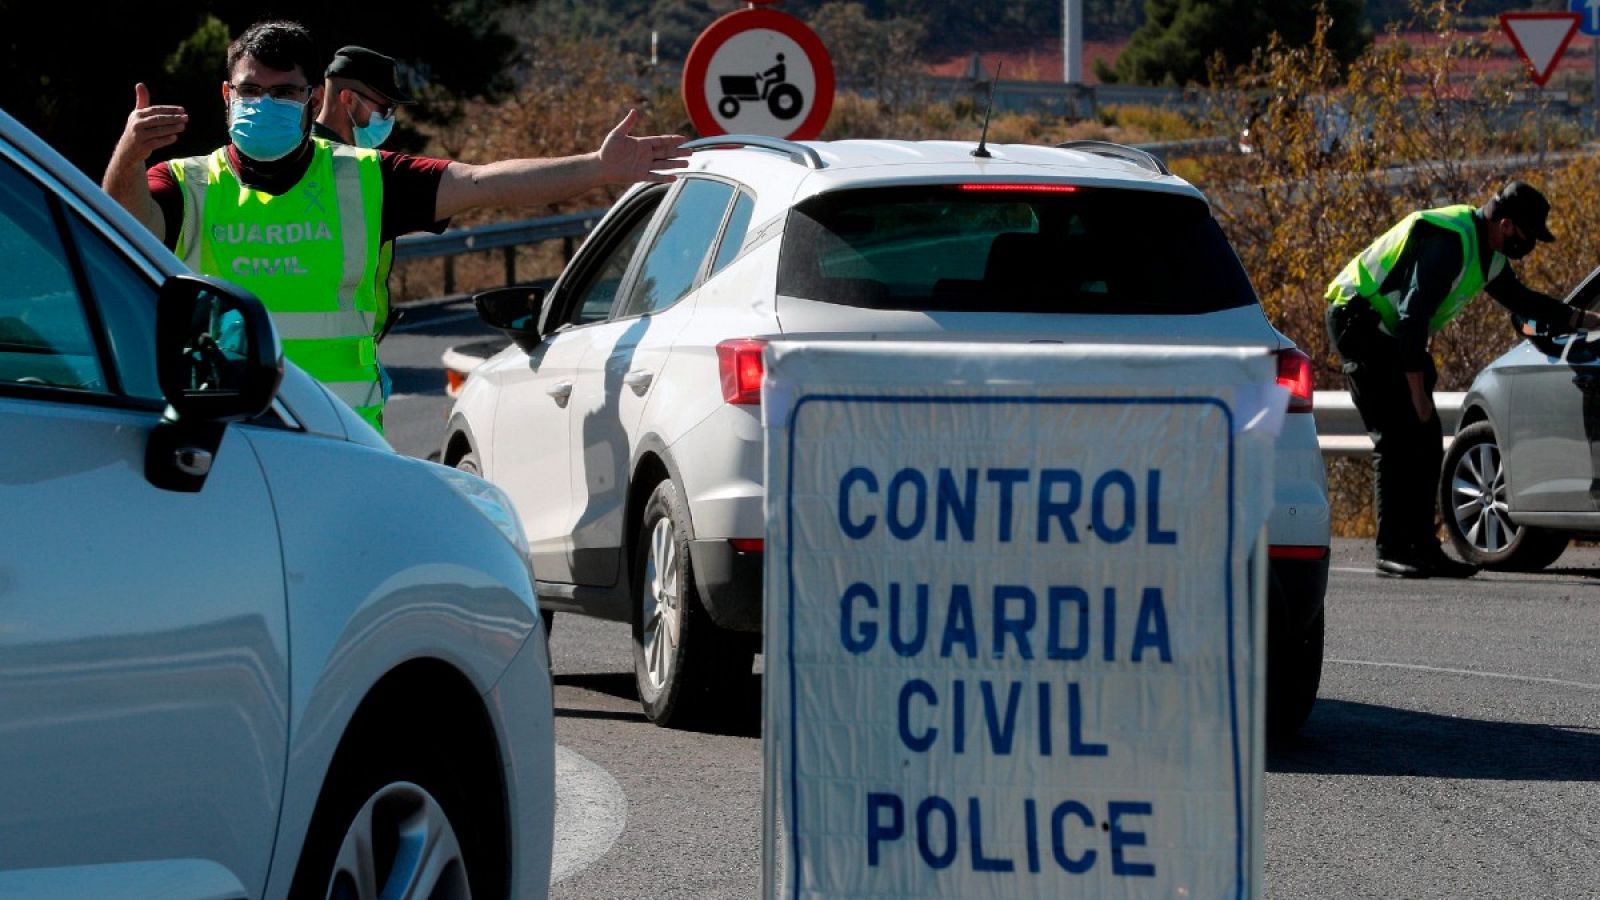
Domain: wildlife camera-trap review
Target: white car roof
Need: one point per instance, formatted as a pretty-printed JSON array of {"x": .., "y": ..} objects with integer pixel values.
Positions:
[{"x": 789, "y": 171}]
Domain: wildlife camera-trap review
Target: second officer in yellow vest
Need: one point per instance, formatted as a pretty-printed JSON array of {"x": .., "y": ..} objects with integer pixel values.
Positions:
[
  {"x": 301, "y": 222},
  {"x": 1382, "y": 308}
]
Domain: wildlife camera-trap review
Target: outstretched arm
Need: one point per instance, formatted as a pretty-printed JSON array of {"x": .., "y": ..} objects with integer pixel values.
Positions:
[
  {"x": 1510, "y": 292},
  {"x": 149, "y": 129},
  {"x": 621, "y": 159}
]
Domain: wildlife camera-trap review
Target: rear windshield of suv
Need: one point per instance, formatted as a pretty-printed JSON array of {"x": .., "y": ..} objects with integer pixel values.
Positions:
[{"x": 989, "y": 248}]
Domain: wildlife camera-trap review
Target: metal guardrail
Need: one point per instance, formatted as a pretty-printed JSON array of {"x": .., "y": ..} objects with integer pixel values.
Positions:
[
  {"x": 503, "y": 236},
  {"x": 1211, "y": 146},
  {"x": 1339, "y": 428}
]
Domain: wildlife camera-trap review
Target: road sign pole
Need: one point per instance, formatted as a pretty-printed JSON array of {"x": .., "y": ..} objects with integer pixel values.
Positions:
[
  {"x": 1538, "y": 123},
  {"x": 1072, "y": 41}
]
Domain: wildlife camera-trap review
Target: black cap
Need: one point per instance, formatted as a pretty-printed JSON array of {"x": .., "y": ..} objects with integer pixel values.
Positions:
[
  {"x": 371, "y": 68},
  {"x": 1524, "y": 206}
]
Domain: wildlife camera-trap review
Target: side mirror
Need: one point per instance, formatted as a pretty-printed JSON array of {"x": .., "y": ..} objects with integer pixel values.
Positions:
[
  {"x": 514, "y": 310},
  {"x": 218, "y": 360},
  {"x": 217, "y": 355}
]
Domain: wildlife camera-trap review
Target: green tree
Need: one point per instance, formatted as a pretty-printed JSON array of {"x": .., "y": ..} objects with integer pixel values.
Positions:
[{"x": 1179, "y": 37}]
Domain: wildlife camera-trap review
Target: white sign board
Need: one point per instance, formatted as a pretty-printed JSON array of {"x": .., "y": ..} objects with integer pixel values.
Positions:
[{"x": 1014, "y": 619}]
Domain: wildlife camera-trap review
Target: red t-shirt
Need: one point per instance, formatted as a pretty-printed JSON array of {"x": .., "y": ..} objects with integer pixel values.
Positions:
[{"x": 410, "y": 190}]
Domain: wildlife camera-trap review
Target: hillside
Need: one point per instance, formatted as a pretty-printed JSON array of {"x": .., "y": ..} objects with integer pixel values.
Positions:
[{"x": 1039, "y": 59}]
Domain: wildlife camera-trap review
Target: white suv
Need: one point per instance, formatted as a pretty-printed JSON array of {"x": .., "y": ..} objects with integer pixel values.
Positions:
[{"x": 625, "y": 420}]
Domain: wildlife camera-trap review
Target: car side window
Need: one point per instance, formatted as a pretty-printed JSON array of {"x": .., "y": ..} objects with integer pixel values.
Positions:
[
  {"x": 733, "y": 235},
  {"x": 126, "y": 300},
  {"x": 681, "y": 246},
  {"x": 598, "y": 292},
  {"x": 45, "y": 334}
]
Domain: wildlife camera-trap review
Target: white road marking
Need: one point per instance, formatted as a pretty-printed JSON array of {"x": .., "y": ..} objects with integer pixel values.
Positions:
[
  {"x": 1531, "y": 679},
  {"x": 591, "y": 811}
]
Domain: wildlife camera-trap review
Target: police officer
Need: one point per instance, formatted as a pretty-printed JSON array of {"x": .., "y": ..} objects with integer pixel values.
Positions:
[
  {"x": 300, "y": 221},
  {"x": 360, "y": 93},
  {"x": 1383, "y": 307}
]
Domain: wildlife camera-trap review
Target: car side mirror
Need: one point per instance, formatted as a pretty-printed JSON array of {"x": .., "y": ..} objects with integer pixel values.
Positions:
[
  {"x": 218, "y": 360},
  {"x": 514, "y": 310},
  {"x": 217, "y": 355}
]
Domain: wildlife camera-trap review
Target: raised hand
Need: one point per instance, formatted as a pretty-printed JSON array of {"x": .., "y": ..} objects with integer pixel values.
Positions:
[
  {"x": 149, "y": 127},
  {"x": 625, "y": 159}
]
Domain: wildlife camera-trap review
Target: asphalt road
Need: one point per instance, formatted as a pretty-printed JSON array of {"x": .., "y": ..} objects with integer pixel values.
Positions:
[{"x": 1454, "y": 750}]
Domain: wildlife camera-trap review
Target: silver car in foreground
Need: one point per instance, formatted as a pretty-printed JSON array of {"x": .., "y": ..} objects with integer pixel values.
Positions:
[
  {"x": 1522, "y": 477},
  {"x": 246, "y": 649}
]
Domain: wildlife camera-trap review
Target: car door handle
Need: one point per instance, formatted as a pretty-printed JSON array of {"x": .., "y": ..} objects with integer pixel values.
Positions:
[
  {"x": 639, "y": 380},
  {"x": 560, "y": 392}
]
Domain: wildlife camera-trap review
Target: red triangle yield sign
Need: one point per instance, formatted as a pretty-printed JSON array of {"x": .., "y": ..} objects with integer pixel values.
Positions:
[{"x": 1541, "y": 38}]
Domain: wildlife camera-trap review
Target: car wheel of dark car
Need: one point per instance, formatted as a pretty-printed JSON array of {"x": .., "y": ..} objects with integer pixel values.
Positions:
[
  {"x": 685, "y": 666},
  {"x": 1294, "y": 672},
  {"x": 1473, "y": 496}
]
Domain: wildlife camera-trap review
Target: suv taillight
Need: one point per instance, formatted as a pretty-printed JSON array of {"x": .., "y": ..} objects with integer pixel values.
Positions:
[
  {"x": 739, "y": 362},
  {"x": 1294, "y": 373}
]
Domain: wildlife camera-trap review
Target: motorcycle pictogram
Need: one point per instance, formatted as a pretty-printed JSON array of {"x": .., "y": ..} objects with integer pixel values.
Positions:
[{"x": 783, "y": 99}]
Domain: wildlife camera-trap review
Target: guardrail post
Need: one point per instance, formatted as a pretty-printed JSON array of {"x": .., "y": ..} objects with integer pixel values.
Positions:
[
  {"x": 449, "y": 274},
  {"x": 511, "y": 263}
]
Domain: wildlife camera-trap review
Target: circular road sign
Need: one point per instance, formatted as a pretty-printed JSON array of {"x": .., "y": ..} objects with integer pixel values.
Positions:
[{"x": 758, "y": 71}]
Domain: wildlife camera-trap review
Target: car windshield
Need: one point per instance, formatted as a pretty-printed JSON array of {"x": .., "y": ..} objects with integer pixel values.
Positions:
[{"x": 993, "y": 248}]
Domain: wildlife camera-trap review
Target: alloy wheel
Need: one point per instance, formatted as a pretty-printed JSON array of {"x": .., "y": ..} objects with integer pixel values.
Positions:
[
  {"x": 400, "y": 844},
  {"x": 1478, "y": 499},
  {"x": 661, "y": 599}
]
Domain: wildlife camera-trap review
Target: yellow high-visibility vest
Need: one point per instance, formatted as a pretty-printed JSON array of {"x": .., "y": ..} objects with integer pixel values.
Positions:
[
  {"x": 1365, "y": 274},
  {"x": 311, "y": 254}
]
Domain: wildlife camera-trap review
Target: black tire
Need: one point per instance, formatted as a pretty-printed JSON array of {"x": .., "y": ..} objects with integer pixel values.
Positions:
[
  {"x": 684, "y": 665},
  {"x": 381, "y": 795},
  {"x": 1294, "y": 673},
  {"x": 1472, "y": 500},
  {"x": 728, "y": 107},
  {"x": 784, "y": 102}
]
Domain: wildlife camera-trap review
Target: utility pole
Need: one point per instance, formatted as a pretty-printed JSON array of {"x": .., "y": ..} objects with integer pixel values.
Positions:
[{"x": 1072, "y": 41}]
